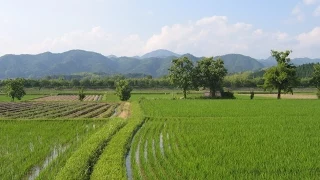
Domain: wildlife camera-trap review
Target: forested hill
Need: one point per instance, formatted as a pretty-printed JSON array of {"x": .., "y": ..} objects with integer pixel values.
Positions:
[
  {"x": 155, "y": 63},
  {"x": 303, "y": 71}
]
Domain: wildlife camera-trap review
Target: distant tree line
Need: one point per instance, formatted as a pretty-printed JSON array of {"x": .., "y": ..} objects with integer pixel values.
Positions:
[{"x": 304, "y": 73}]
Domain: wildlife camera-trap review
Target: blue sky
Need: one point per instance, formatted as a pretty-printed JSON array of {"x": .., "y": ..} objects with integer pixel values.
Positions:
[{"x": 134, "y": 27}]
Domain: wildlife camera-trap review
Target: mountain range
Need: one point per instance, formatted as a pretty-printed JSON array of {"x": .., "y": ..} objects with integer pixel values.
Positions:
[{"x": 155, "y": 63}]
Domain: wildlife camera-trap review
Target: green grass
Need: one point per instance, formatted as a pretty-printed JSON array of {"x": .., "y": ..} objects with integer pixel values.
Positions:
[
  {"x": 26, "y": 144},
  {"x": 4, "y": 98},
  {"x": 228, "y": 139}
]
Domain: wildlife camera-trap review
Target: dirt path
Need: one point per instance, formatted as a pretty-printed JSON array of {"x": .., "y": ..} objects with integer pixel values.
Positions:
[
  {"x": 125, "y": 113},
  {"x": 288, "y": 96}
]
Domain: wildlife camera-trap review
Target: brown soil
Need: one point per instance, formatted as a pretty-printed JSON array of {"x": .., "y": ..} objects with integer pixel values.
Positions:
[
  {"x": 125, "y": 113},
  {"x": 288, "y": 96}
]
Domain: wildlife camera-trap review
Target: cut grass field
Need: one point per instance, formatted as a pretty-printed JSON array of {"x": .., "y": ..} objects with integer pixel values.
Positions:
[{"x": 228, "y": 139}]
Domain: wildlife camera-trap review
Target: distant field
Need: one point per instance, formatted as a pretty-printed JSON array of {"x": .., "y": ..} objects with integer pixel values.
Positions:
[
  {"x": 52, "y": 110},
  {"x": 228, "y": 139},
  {"x": 69, "y": 98},
  {"x": 4, "y": 98}
]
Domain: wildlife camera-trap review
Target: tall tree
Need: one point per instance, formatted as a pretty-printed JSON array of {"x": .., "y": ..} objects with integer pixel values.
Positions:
[
  {"x": 210, "y": 74},
  {"x": 316, "y": 76},
  {"x": 181, "y": 74},
  {"x": 14, "y": 88},
  {"x": 283, "y": 76}
]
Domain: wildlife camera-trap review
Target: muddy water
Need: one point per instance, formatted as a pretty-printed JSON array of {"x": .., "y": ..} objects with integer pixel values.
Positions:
[
  {"x": 53, "y": 155},
  {"x": 128, "y": 161}
]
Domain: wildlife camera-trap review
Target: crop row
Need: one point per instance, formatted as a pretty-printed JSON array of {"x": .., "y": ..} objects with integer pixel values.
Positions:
[
  {"x": 25, "y": 145},
  {"x": 227, "y": 148},
  {"x": 69, "y": 98},
  {"x": 81, "y": 163},
  {"x": 57, "y": 110}
]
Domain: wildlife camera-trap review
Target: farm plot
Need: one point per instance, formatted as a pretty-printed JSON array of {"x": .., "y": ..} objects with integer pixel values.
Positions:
[
  {"x": 265, "y": 139},
  {"x": 33, "y": 110},
  {"x": 69, "y": 98},
  {"x": 30, "y": 147}
]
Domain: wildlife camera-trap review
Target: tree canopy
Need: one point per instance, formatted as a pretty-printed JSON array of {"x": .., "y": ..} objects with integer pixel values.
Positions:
[
  {"x": 181, "y": 74},
  {"x": 210, "y": 74},
  {"x": 283, "y": 76},
  {"x": 14, "y": 88},
  {"x": 316, "y": 76},
  {"x": 123, "y": 90}
]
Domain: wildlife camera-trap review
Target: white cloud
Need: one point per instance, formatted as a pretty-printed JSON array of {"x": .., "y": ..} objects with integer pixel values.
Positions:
[
  {"x": 317, "y": 11},
  {"x": 311, "y": 38},
  {"x": 298, "y": 13},
  {"x": 210, "y": 36},
  {"x": 281, "y": 36},
  {"x": 95, "y": 40},
  {"x": 309, "y": 2},
  {"x": 308, "y": 44},
  {"x": 258, "y": 32}
]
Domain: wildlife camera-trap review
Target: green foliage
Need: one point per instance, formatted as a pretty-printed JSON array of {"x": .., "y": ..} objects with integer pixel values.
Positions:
[
  {"x": 123, "y": 90},
  {"x": 181, "y": 74},
  {"x": 305, "y": 70},
  {"x": 283, "y": 76},
  {"x": 111, "y": 164},
  {"x": 81, "y": 94},
  {"x": 80, "y": 164},
  {"x": 14, "y": 88},
  {"x": 316, "y": 76},
  {"x": 210, "y": 74}
]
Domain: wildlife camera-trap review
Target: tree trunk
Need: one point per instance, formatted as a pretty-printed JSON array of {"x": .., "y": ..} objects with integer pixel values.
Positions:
[
  {"x": 185, "y": 94},
  {"x": 279, "y": 93},
  {"x": 212, "y": 92}
]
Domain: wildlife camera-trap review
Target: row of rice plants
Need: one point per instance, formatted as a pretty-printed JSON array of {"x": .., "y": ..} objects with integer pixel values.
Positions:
[
  {"x": 81, "y": 163},
  {"x": 25, "y": 145},
  {"x": 227, "y": 148},
  {"x": 230, "y": 108},
  {"x": 86, "y": 110},
  {"x": 96, "y": 112},
  {"x": 56, "y": 112},
  {"x": 109, "y": 111},
  {"x": 111, "y": 164}
]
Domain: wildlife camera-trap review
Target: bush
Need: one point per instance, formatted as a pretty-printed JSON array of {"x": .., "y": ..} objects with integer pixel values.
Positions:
[
  {"x": 318, "y": 94},
  {"x": 251, "y": 94},
  {"x": 227, "y": 95},
  {"x": 123, "y": 90},
  {"x": 81, "y": 95}
]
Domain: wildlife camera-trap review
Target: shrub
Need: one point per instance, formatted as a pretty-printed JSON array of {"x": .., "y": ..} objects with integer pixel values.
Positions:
[
  {"x": 227, "y": 95},
  {"x": 123, "y": 90},
  {"x": 81, "y": 94},
  {"x": 251, "y": 94}
]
